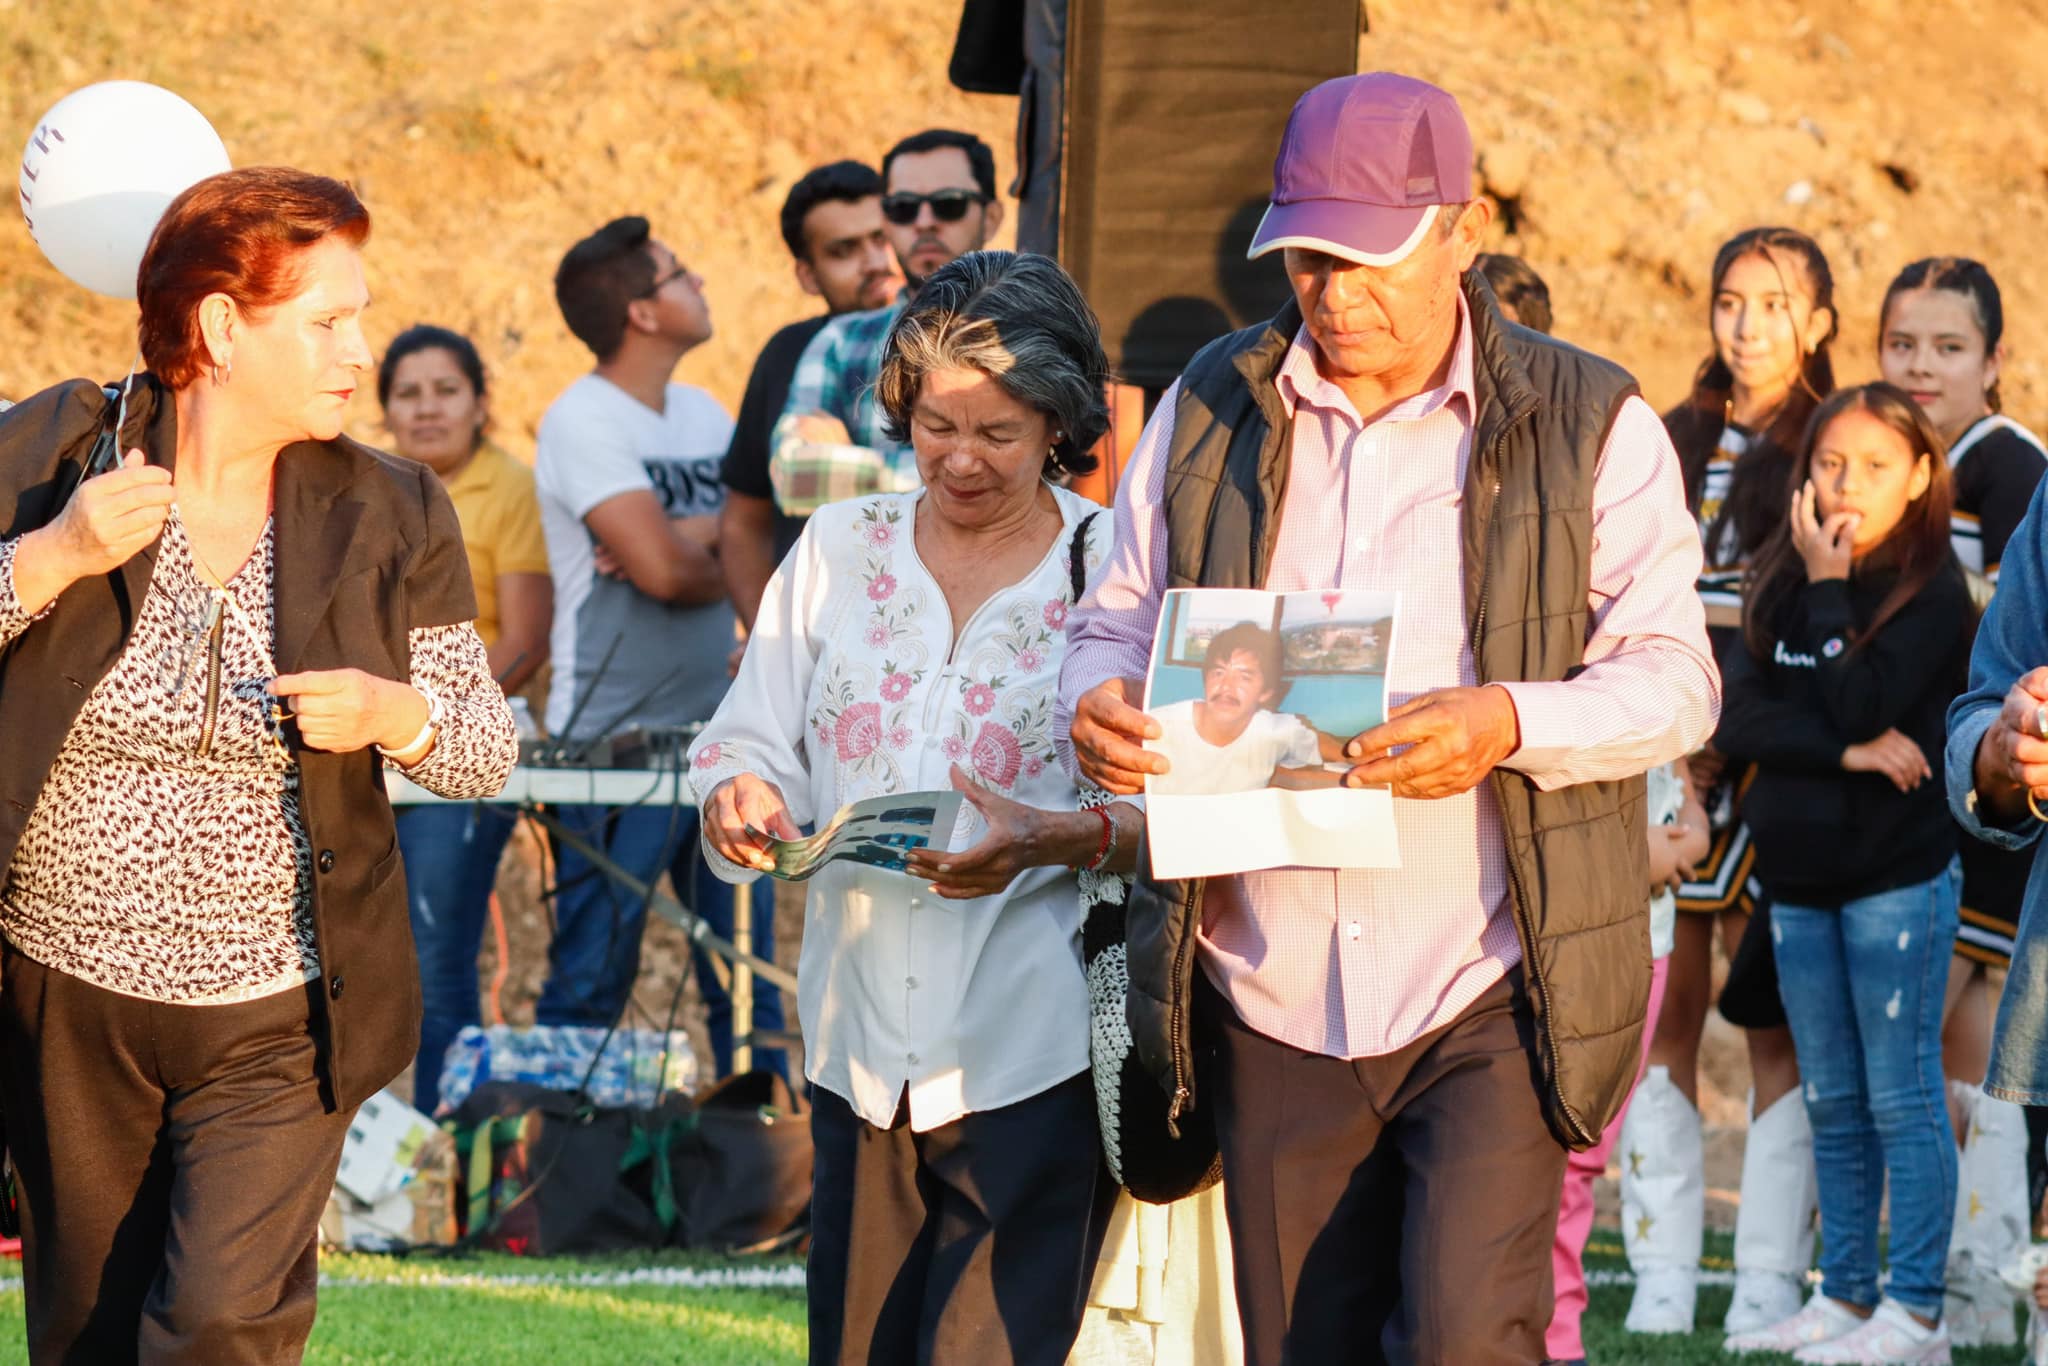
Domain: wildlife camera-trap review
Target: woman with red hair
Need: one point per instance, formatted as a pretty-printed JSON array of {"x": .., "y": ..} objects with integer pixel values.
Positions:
[{"x": 211, "y": 651}]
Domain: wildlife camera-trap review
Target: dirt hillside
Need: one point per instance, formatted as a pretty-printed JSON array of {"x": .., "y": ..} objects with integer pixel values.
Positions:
[
  {"x": 488, "y": 136},
  {"x": 1625, "y": 140}
]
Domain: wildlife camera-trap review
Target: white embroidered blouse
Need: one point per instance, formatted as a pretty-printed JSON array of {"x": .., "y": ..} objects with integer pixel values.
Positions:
[{"x": 853, "y": 685}]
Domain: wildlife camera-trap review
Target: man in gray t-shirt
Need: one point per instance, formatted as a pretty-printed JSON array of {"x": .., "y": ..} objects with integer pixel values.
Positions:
[
  {"x": 627, "y": 468},
  {"x": 613, "y": 471}
]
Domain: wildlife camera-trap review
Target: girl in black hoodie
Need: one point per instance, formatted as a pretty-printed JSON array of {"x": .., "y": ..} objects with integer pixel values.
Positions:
[{"x": 1857, "y": 628}]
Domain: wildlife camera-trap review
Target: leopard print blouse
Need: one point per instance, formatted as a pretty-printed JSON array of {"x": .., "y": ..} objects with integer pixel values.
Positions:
[{"x": 166, "y": 857}]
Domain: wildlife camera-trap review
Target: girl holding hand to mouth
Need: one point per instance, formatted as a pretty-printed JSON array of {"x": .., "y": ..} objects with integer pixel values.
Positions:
[
  {"x": 1856, "y": 634},
  {"x": 1941, "y": 339}
]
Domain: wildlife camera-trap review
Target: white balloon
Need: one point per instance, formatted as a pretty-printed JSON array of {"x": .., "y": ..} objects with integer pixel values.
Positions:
[{"x": 100, "y": 168}]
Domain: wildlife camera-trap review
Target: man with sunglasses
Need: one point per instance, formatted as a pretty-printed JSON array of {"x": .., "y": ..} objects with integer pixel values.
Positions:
[
  {"x": 938, "y": 202},
  {"x": 627, "y": 468}
]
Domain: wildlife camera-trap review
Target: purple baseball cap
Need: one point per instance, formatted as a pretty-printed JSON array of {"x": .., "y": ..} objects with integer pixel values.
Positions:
[{"x": 1363, "y": 166}]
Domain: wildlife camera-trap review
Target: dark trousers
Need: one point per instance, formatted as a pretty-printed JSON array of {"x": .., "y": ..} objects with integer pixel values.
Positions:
[
  {"x": 975, "y": 1242},
  {"x": 1398, "y": 1208},
  {"x": 172, "y": 1165}
]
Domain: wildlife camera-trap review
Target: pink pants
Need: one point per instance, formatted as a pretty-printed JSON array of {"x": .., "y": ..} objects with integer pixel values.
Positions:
[{"x": 1575, "y": 1209}]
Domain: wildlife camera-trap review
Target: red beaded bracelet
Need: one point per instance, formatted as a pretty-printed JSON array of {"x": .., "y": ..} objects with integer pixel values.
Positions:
[{"x": 1102, "y": 849}]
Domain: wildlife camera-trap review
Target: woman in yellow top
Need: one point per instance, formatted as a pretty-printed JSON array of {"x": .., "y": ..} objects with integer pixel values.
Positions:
[{"x": 431, "y": 385}]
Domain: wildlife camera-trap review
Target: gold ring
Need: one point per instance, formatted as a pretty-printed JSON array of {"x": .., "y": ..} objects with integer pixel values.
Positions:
[{"x": 2035, "y": 807}]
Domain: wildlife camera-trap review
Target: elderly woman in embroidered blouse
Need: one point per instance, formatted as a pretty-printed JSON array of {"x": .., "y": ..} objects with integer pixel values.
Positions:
[
  {"x": 212, "y": 649},
  {"x": 909, "y": 642}
]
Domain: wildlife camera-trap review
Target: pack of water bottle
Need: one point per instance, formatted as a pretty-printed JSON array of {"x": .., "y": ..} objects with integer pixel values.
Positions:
[{"x": 636, "y": 1068}]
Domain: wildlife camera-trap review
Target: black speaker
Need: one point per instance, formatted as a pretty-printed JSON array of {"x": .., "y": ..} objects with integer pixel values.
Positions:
[{"x": 1145, "y": 153}]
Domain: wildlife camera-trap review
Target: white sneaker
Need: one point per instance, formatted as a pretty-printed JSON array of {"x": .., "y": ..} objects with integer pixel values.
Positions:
[
  {"x": 1821, "y": 1320},
  {"x": 1762, "y": 1298},
  {"x": 1664, "y": 1301},
  {"x": 1890, "y": 1337}
]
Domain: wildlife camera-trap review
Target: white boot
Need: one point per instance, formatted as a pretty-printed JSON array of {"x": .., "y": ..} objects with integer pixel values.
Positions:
[
  {"x": 1663, "y": 1204},
  {"x": 1990, "y": 1226},
  {"x": 1774, "y": 1227}
]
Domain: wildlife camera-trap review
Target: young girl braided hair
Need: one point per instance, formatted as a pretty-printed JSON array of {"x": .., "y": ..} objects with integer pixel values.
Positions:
[
  {"x": 1771, "y": 318},
  {"x": 1856, "y": 632}
]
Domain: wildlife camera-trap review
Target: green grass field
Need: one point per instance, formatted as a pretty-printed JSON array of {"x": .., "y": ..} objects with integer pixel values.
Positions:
[
  {"x": 491, "y": 1308},
  {"x": 497, "y": 1309}
]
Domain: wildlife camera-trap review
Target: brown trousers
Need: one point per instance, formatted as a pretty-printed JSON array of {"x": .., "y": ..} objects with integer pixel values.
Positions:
[
  {"x": 172, "y": 1163},
  {"x": 972, "y": 1244},
  {"x": 1398, "y": 1208}
]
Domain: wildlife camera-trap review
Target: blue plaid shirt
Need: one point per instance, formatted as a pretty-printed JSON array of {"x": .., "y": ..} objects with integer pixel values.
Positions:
[{"x": 836, "y": 377}]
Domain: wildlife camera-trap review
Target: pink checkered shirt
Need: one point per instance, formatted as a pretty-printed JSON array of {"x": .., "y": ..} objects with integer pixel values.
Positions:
[{"x": 1360, "y": 963}]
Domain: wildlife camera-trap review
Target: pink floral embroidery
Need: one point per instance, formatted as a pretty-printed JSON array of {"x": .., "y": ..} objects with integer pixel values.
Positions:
[
  {"x": 997, "y": 755},
  {"x": 1030, "y": 661},
  {"x": 954, "y": 748},
  {"x": 899, "y": 738},
  {"x": 1055, "y": 613},
  {"x": 882, "y": 587},
  {"x": 981, "y": 699},
  {"x": 881, "y": 535},
  {"x": 1033, "y": 766},
  {"x": 877, "y": 637},
  {"x": 895, "y": 687},
  {"x": 859, "y": 732},
  {"x": 707, "y": 756}
]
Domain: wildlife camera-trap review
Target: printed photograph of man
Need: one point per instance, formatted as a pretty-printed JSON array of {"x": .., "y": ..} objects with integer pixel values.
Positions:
[
  {"x": 1229, "y": 739},
  {"x": 1259, "y": 690}
]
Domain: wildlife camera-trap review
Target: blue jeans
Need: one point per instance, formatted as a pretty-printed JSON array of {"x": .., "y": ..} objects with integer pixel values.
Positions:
[
  {"x": 2019, "y": 1048},
  {"x": 596, "y": 950},
  {"x": 1863, "y": 990},
  {"x": 451, "y": 852}
]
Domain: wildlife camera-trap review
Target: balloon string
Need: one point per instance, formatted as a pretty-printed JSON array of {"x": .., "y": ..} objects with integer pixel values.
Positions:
[{"x": 121, "y": 413}]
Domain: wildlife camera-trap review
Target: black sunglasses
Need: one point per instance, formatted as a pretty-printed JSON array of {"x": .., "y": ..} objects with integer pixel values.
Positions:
[{"x": 948, "y": 206}]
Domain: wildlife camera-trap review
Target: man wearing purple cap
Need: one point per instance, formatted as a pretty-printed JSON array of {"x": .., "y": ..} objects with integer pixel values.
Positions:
[{"x": 1395, "y": 1061}]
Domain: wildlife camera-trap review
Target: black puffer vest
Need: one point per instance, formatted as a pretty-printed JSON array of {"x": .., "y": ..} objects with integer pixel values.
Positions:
[{"x": 1577, "y": 863}]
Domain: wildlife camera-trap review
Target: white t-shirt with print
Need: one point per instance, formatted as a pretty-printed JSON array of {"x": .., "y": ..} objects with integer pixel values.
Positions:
[
  {"x": 1270, "y": 740},
  {"x": 596, "y": 442}
]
